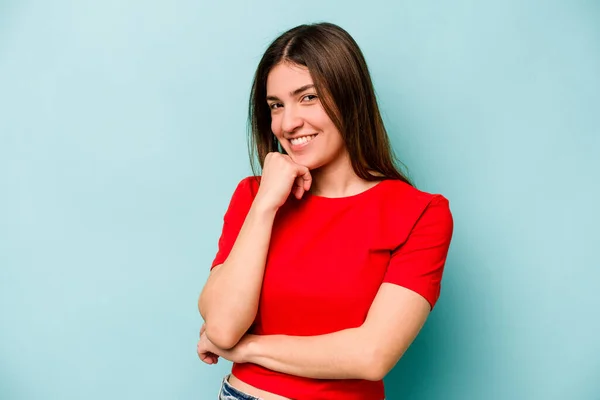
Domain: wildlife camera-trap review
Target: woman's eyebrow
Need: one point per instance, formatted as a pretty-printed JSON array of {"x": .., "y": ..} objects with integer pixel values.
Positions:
[{"x": 295, "y": 92}]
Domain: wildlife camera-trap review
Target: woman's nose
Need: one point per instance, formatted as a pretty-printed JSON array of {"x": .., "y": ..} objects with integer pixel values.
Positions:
[{"x": 291, "y": 120}]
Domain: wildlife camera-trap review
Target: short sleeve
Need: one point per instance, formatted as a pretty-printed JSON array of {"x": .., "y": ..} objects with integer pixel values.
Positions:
[
  {"x": 419, "y": 262},
  {"x": 235, "y": 216}
]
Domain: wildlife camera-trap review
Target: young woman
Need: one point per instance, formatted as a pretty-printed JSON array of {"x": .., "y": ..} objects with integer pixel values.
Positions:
[{"x": 330, "y": 262}]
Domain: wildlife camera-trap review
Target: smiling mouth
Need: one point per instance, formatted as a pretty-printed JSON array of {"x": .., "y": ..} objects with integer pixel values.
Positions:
[{"x": 302, "y": 140}]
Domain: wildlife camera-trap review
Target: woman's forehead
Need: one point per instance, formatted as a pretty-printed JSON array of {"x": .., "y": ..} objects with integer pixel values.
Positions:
[{"x": 285, "y": 78}]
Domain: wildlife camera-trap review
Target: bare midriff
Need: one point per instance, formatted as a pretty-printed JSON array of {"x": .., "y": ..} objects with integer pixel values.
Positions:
[{"x": 251, "y": 390}]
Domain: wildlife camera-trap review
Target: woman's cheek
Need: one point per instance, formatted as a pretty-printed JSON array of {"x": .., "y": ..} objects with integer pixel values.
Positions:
[{"x": 275, "y": 124}]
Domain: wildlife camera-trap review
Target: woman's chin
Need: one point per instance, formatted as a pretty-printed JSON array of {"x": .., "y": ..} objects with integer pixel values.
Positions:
[{"x": 304, "y": 161}]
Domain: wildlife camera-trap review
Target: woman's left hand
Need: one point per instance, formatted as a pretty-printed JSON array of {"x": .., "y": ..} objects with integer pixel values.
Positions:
[
  {"x": 206, "y": 356},
  {"x": 209, "y": 353}
]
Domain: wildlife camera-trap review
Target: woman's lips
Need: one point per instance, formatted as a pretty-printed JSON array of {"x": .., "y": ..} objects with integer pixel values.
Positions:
[{"x": 300, "y": 143}]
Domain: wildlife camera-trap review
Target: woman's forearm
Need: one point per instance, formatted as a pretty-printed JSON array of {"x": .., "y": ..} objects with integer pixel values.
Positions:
[
  {"x": 229, "y": 299},
  {"x": 346, "y": 354}
]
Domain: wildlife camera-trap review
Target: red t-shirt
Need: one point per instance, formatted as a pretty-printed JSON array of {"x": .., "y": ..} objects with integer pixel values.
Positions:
[{"x": 326, "y": 261}]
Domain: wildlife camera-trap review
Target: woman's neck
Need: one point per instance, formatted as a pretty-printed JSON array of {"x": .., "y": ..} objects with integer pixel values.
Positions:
[{"x": 338, "y": 180}]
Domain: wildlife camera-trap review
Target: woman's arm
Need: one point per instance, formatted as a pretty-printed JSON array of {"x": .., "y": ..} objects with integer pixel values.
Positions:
[
  {"x": 367, "y": 352},
  {"x": 229, "y": 300}
]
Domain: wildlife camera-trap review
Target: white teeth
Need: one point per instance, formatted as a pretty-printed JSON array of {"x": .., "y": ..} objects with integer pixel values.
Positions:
[{"x": 303, "y": 139}]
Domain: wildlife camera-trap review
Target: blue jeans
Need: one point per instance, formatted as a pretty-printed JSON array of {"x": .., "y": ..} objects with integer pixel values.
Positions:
[{"x": 228, "y": 392}]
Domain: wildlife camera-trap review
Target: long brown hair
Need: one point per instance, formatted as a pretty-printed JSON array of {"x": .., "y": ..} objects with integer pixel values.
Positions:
[{"x": 342, "y": 81}]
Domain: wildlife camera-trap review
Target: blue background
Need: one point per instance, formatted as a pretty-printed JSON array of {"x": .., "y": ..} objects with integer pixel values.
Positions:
[{"x": 122, "y": 137}]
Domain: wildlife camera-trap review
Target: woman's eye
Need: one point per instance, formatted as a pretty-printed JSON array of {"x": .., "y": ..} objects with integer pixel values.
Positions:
[
  {"x": 275, "y": 106},
  {"x": 309, "y": 97}
]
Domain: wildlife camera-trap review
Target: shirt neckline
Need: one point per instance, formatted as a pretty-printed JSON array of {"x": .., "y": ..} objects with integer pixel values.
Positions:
[{"x": 346, "y": 198}]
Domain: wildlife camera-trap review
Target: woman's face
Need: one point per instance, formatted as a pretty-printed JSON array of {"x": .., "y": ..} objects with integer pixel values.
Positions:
[{"x": 298, "y": 119}]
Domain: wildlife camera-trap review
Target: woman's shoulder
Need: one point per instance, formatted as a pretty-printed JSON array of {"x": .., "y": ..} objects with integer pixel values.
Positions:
[
  {"x": 399, "y": 197},
  {"x": 248, "y": 186},
  {"x": 400, "y": 190},
  {"x": 401, "y": 206}
]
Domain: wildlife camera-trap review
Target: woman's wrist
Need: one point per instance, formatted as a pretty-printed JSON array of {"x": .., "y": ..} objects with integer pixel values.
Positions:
[
  {"x": 263, "y": 207},
  {"x": 252, "y": 348}
]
